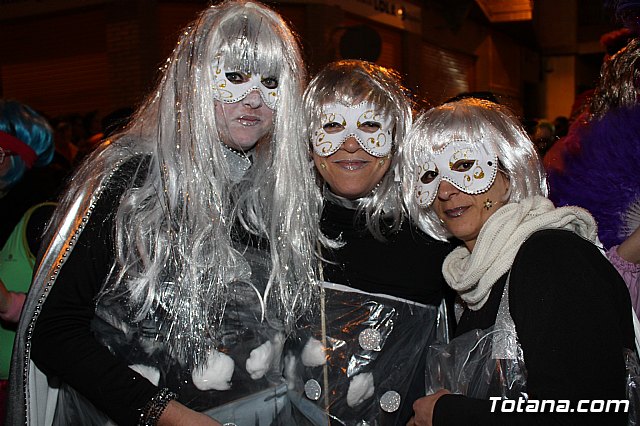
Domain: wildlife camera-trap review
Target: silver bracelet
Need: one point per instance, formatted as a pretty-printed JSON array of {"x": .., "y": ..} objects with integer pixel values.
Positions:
[{"x": 151, "y": 412}]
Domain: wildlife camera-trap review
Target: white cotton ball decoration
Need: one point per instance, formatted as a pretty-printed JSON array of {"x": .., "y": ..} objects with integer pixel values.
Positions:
[
  {"x": 150, "y": 373},
  {"x": 216, "y": 374},
  {"x": 360, "y": 388},
  {"x": 259, "y": 360},
  {"x": 313, "y": 354}
]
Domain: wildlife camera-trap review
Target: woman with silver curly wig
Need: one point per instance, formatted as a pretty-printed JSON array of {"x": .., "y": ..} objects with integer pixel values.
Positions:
[
  {"x": 483, "y": 125},
  {"x": 534, "y": 288},
  {"x": 358, "y": 114},
  {"x": 184, "y": 250},
  {"x": 351, "y": 88}
]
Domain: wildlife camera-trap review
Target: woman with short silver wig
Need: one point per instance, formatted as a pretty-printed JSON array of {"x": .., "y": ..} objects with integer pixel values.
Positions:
[
  {"x": 184, "y": 249},
  {"x": 481, "y": 124},
  {"x": 534, "y": 289},
  {"x": 350, "y": 83},
  {"x": 358, "y": 115}
]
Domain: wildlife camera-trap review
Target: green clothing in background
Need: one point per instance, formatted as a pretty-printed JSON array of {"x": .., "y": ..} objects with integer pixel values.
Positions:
[{"x": 16, "y": 270}]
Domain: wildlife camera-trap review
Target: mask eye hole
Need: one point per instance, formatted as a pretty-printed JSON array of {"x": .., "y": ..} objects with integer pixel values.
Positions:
[
  {"x": 236, "y": 77},
  {"x": 462, "y": 165},
  {"x": 270, "y": 82},
  {"x": 429, "y": 176},
  {"x": 370, "y": 126},
  {"x": 333, "y": 127}
]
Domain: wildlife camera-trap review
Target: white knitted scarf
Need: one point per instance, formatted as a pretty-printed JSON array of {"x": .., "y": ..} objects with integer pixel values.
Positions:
[{"x": 472, "y": 274}]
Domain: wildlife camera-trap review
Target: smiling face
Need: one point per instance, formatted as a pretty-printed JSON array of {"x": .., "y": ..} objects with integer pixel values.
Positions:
[
  {"x": 464, "y": 214},
  {"x": 350, "y": 167},
  {"x": 463, "y": 185},
  {"x": 351, "y": 172}
]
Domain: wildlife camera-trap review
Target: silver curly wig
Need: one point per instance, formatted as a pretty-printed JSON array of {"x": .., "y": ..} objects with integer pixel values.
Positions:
[
  {"x": 353, "y": 81},
  {"x": 478, "y": 122},
  {"x": 178, "y": 222}
]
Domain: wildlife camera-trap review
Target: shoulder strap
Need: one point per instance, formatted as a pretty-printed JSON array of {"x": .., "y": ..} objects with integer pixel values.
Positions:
[{"x": 505, "y": 338}]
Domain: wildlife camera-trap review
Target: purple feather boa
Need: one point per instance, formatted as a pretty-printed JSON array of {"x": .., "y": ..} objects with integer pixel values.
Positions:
[{"x": 604, "y": 177}]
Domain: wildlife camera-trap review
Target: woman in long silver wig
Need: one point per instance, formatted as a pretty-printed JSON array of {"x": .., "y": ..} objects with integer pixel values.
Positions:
[
  {"x": 358, "y": 114},
  {"x": 198, "y": 211},
  {"x": 492, "y": 125}
]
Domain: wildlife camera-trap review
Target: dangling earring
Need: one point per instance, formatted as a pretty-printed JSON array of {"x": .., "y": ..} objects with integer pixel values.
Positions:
[
  {"x": 323, "y": 165},
  {"x": 488, "y": 204},
  {"x": 381, "y": 161}
]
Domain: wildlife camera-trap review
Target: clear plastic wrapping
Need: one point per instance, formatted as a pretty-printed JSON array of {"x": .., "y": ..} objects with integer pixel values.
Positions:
[
  {"x": 361, "y": 360},
  {"x": 468, "y": 366},
  {"x": 484, "y": 363},
  {"x": 480, "y": 363},
  {"x": 358, "y": 361},
  {"x": 241, "y": 383},
  {"x": 633, "y": 386}
]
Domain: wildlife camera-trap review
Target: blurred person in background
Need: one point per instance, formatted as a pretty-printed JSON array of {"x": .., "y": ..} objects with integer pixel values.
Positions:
[
  {"x": 600, "y": 171},
  {"x": 26, "y": 146}
]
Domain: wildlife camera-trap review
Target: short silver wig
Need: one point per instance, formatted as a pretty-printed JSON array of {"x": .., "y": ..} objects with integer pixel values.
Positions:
[
  {"x": 477, "y": 122},
  {"x": 353, "y": 81},
  {"x": 179, "y": 222}
]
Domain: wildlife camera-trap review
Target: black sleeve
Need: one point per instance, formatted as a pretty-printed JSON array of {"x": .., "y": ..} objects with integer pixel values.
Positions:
[
  {"x": 572, "y": 316},
  {"x": 36, "y": 226},
  {"x": 63, "y": 344}
]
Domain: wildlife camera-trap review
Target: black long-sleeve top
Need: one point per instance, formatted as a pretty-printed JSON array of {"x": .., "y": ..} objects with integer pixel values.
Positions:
[
  {"x": 572, "y": 314},
  {"x": 63, "y": 344},
  {"x": 408, "y": 265}
]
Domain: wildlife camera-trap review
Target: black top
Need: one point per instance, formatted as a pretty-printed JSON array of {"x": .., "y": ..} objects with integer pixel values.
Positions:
[
  {"x": 37, "y": 186},
  {"x": 37, "y": 225},
  {"x": 408, "y": 265},
  {"x": 572, "y": 314},
  {"x": 63, "y": 343}
]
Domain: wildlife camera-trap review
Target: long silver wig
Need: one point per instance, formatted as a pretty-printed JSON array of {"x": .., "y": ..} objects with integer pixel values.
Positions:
[
  {"x": 478, "y": 122},
  {"x": 178, "y": 224},
  {"x": 353, "y": 81}
]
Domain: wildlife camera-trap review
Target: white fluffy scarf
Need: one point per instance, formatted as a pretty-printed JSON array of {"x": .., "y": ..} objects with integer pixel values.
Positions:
[{"x": 472, "y": 274}]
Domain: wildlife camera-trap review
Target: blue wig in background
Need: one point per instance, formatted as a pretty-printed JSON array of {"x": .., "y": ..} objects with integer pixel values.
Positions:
[
  {"x": 32, "y": 129},
  {"x": 604, "y": 177}
]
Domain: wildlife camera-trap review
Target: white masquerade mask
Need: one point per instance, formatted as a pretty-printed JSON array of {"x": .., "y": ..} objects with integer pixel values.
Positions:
[
  {"x": 362, "y": 121},
  {"x": 471, "y": 168},
  {"x": 235, "y": 90}
]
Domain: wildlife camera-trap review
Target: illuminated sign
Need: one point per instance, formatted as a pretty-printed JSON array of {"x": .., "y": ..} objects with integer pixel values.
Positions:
[{"x": 396, "y": 13}]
